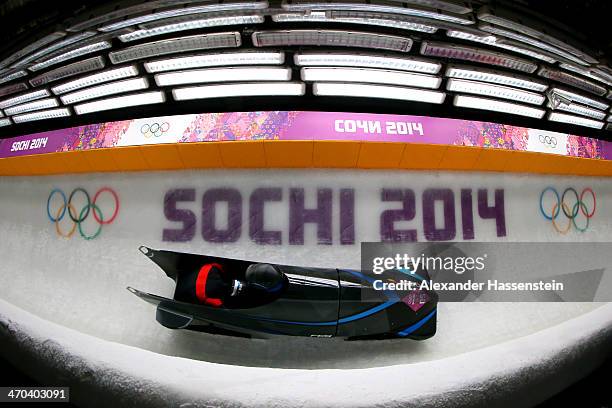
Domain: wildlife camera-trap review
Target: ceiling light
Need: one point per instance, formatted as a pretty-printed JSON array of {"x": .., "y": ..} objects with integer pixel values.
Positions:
[
  {"x": 377, "y": 91},
  {"x": 459, "y": 7},
  {"x": 31, "y": 47},
  {"x": 55, "y": 46},
  {"x": 580, "y": 110},
  {"x": 573, "y": 80},
  {"x": 76, "y": 68},
  {"x": 601, "y": 75},
  {"x": 241, "y": 89},
  {"x": 13, "y": 88},
  {"x": 40, "y": 115},
  {"x": 525, "y": 50},
  {"x": 16, "y": 100},
  {"x": 214, "y": 60},
  {"x": 365, "y": 61},
  {"x": 489, "y": 39},
  {"x": 473, "y": 102},
  {"x": 476, "y": 54},
  {"x": 13, "y": 75},
  {"x": 216, "y": 7},
  {"x": 504, "y": 18},
  {"x": 604, "y": 72},
  {"x": 574, "y": 120},
  {"x": 99, "y": 78},
  {"x": 87, "y": 49},
  {"x": 32, "y": 106},
  {"x": 589, "y": 73},
  {"x": 309, "y": 6},
  {"x": 334, "y": 38},
  {"x": 122, "y": 13},
  {"x": 173, "y": 45},
  {"x": 145, "y": 98},
  {"x": 531, "y": 41},
  {"x": 495, "y": 77},
  {"x": 605, "y": 68},
  {"x": 356, "y": 17},
  {"x": 496, "y": 91},
  {"x": 242, "y": 74},
  {"x": 481, "y": 37},
  {"x": 373, "y": 76},
  {"x": 191, "y": 25},
  {"x": 5, "y": 122},
  {"x": 574, "y": 97},
  {"x": 127, "y": 85}
]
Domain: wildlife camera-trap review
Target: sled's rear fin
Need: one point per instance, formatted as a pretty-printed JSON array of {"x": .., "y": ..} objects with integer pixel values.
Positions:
[
  {"x": 167, "y": 260},
  {"x": 148, "y": 297}
]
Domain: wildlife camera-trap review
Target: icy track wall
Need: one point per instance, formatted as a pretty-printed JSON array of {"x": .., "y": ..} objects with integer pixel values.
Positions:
[{"x": 299, "y": 217}]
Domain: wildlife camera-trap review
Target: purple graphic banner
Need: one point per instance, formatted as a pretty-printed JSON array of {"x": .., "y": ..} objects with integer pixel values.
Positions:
[
  {"x": 299, "y": 125},
  {"x": 37, "y": 143}
]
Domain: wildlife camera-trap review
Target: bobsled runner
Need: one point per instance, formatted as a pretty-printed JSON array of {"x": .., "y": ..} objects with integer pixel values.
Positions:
[{"x": 252, "y": 299}]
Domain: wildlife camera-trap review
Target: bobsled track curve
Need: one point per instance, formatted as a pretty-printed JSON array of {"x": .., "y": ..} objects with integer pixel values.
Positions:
[
  {"x": 64, "y": 307},
  {"x": 104, "y": 373}
]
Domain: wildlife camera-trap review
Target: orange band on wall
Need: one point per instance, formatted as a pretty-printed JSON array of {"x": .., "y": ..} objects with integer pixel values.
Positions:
[{"x": 299, "y": 154}]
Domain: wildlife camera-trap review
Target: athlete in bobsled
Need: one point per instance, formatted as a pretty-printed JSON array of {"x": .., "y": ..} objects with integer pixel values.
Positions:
[
  {"x": 252, "y": 299},
  {"x": 214, "y": 287}
]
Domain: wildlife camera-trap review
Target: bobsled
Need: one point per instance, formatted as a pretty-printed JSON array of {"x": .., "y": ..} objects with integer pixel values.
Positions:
[{"x": 254, "y": 299}]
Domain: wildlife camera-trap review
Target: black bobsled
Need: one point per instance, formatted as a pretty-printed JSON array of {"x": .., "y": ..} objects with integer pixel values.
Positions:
[{"x": 251, "y": 299}]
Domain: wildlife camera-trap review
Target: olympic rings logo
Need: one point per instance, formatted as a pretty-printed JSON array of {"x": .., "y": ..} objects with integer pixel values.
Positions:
[
  {"x": 571, "y": 211},
  {"x": 549, "y": 141},
  {"x": 79, "y": 217},
  {"x": 154, "y": 129}
]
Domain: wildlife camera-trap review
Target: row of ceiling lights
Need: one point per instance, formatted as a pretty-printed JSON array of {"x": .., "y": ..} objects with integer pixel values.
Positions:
[{"x": 333, "y": 73}]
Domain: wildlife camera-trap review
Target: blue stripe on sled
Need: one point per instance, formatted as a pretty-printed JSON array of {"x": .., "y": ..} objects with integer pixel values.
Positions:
[
  {"x": 367, "y": 312},
  {"x": 354, "y": 317},
  {"x": 411, "y": 329}
]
